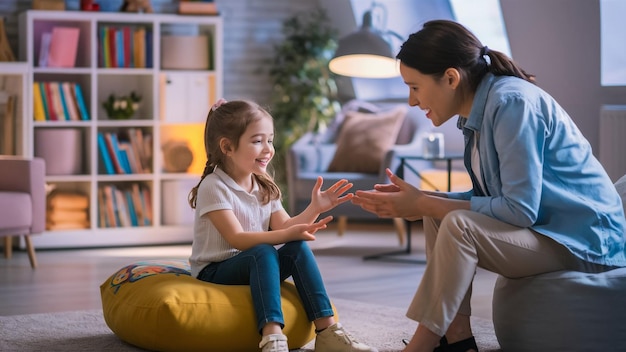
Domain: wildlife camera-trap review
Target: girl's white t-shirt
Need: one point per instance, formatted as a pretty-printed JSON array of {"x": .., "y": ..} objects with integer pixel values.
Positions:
[{"x": 218, "y": 191}]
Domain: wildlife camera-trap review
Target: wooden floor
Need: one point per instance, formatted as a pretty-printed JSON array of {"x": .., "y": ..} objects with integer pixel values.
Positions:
[{"x": 68, "y": 280}]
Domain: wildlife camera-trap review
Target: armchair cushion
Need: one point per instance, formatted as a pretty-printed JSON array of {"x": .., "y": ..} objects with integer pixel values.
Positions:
[{"x": 364, "y": 138}]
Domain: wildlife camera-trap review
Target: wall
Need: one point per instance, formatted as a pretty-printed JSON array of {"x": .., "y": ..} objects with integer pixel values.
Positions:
[
  {"x": 251, "y": 28},
  {"x": 559, "y": 41}
]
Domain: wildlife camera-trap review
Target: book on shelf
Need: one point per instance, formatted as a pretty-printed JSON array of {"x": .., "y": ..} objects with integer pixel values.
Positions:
[
  {"x": 80, "y": 100},
  {"x": 104, "y": 155},
  {"x": 112, "y": 148},
  {"x": 70, "y": 101},
  {"x": 102, "y": 216},
  {"x": 8, "y": 123},
  {"x": 139, "y": 48},
  {"x": 131, "y": 208},
  {"x": 63, "y": 47},
  {"x": 122, "y": 208},
  {"x": 64, "y": 101},
  {"x": 52, "y": 114},
  {"x": 39, "y": 113},
  {"x": 138, "y": 204},
  {"x": 44, "y": 49},
  {"x": 57, "y": 103},
  {"x": 110, "y": 206},
  {"x": 44, "y": 99}
]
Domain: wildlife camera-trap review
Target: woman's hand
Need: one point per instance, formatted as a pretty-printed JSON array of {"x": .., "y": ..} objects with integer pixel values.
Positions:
[
  {"x": 306, "y": 232},
  {"x": 322, "y": 201},
  {"x": 395, "y": 200}
]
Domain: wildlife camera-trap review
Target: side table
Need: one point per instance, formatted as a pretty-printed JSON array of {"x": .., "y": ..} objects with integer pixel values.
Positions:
[{"x": 391, "y": 256}]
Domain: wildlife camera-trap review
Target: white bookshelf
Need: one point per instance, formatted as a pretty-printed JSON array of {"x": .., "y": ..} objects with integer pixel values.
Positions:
[{"x": 157, "y": 116}]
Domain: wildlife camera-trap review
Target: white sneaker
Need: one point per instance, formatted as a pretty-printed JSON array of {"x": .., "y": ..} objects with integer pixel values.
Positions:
[
  {"x": 274, "y": 343},
  {"x": 335, "y": 339}
]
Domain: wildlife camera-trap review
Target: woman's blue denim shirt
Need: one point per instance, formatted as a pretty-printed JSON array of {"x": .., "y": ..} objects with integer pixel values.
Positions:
[{"x": 539, "y": 171}]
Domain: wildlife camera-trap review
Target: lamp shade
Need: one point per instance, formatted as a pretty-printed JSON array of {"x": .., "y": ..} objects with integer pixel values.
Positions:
[{"x": 364, "y": 53}]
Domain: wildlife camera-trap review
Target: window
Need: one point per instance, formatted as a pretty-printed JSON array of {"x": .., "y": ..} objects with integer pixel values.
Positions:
[
  {"x": 613, "y": 42},
  {"x": 484, "y": 19}
]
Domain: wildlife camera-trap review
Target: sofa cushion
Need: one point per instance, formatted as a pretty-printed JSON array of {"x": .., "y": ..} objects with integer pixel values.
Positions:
[
  {"x": 17, "y": 210},
  {"x": 158, "y": 306},
  {"x": 364, "y": 138}
]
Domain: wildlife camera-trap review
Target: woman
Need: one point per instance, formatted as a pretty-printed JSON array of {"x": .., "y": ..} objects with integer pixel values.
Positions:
[{"x": 540, "y": 201}]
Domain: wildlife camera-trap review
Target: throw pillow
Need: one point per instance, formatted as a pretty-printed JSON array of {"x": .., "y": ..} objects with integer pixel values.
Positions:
[
  {"x": 364, "y": 139},
  {"x": 158, "y": 306}
]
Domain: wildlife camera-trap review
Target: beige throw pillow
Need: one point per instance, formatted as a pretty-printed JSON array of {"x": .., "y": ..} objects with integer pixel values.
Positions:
[{"x": 364, "y": 139}]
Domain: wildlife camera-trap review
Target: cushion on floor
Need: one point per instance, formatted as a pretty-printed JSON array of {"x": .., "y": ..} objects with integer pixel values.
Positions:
[
  {"x": 561, "y": 311},
  {"x": 158, "y": 306}
]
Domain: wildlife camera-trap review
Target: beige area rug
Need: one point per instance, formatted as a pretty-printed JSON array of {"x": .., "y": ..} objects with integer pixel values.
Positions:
[{"x": 380, "y": 326}]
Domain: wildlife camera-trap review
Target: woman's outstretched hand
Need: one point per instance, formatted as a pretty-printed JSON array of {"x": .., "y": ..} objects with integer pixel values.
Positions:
[
  {"x": 326, "y": 200},
  {"x": 397, "y": 199}
]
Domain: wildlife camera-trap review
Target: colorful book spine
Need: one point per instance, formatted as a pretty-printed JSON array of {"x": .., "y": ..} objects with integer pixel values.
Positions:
[
  {"x": 80, "y": 100},
  {"x": 104, "y": 153},
  {"x": 44, "y": 49},
  {"x": 70, "y": 101},
  {"x": 131, "y": 208},
  {"x": 50, "y": 100},
  {"x": 111, "y": 46},
  {"x": 127, "y": 44},
  {"x": 44, "y": 99},
  {"x": 112, "y": 148},
  {"x": 66, "y": 111},
  {"x": 149, "y": 49},
  {"x": 39, "y": 113},
  {"x": 119, "y": 47}
]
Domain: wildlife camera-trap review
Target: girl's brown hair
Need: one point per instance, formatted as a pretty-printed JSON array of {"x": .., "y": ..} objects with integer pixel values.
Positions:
[
  {"x": 230, "y": 121},
  {"x": 443, "y": 44}
]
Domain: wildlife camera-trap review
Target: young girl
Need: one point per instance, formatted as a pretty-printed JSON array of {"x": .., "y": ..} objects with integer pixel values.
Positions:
[{"x": 239, "y": 219}]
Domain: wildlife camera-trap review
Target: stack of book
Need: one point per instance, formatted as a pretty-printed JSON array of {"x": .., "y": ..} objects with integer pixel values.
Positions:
[
  {"x": 126, "y": 152},
  {"x": 67, "y": 210},
  {"x": 59, "y": 47},
  {"x": 124, "y": 47},
  {"x": 124, "y": 207},
  {"x": 59, "y": 101}
]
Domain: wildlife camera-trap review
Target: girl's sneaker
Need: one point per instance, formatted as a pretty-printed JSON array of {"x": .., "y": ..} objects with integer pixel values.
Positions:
[
  {"x": 274, "y": 343},
  {"x": 335, "y": 339}
]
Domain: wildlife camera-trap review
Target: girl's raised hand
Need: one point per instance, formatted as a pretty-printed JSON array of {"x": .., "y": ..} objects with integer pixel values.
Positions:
[
  {"x": 306, "y": 232},
  {"x": 336, "y": 194}
]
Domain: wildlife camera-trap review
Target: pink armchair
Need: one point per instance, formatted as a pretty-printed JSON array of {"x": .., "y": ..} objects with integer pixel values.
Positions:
[{"x": 22, "y": 200}]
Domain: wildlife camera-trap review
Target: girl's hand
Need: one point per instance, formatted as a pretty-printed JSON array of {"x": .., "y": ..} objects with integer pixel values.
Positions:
[
  {"x": 336, "y": 194},
  {"x": 396, "y": 200},
  {"x": 306, "y": 232}
]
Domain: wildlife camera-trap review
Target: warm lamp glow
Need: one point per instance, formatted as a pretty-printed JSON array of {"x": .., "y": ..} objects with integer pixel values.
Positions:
[
  {"x": 364, "y": 66},
  {"x": 194, "y": 135},
  {"x": 366, "y": 53}
]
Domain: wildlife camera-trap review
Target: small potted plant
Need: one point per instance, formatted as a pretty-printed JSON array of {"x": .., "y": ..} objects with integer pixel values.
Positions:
[{"x": 122, "y": 108}]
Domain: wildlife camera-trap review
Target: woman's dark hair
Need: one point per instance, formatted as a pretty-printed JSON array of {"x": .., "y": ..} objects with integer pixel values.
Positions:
[
  {"x": 443, "y": 44},
  {"x": 230, "y": 120}
]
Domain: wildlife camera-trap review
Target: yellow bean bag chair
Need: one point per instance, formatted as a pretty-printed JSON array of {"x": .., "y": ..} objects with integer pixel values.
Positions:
[{"x": 158, "y": 306}]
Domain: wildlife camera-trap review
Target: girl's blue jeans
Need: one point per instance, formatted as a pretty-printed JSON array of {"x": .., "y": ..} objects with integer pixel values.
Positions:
[{"x": 264, "y": 268}]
